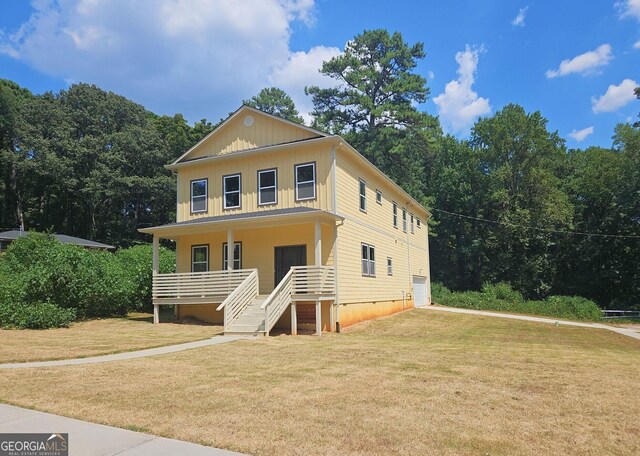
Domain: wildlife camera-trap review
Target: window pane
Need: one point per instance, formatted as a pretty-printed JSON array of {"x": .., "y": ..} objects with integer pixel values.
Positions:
[
  {"x": 199, "y": 188},
  {"x": 199, "y": 204},
  {"x": 365, "y": 252},
  {"x": 306, "y": 190},
  {"x": 372, "y": 254},
  {"x": 232, "y": 200},
  {"x": 199, "y": 267},
  {"x": 199, "y": 254},
  {"x": 363, "y": 203},
  {"x": 267, "y": 179},
  {"x": 372, "y": 268},
  {"x": 268, "y": 195},
  {"x": 365, "y": 267},
  {"x": 363, "y": 188},
  {"x": 305, "y": 173}
]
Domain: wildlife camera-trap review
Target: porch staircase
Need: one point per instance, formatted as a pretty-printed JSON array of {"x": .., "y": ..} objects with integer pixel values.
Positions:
[{"x": 251, "y": 319}]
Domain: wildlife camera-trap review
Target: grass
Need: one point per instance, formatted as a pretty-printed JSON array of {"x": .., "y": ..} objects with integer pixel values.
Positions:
[
  {"x": 415, "y": 383},
  {"x": 97, "y": 337}
]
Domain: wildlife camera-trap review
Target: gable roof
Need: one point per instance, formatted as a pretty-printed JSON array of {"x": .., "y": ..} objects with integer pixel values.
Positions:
[
  {"x": 244, "y": 109},
  {"x": 63, "y": 238}
]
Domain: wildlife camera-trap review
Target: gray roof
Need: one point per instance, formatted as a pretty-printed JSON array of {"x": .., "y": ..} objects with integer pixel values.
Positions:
[
  {"x": 63, "y": 238},
  {"x": 245, "y": 216}
]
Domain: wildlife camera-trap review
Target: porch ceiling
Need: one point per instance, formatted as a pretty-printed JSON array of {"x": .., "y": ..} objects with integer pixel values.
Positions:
[{"x": 240, "y": 221}]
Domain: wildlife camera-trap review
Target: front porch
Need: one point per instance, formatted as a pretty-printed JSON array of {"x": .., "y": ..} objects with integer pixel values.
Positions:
[{"x": 277, "y": 264}]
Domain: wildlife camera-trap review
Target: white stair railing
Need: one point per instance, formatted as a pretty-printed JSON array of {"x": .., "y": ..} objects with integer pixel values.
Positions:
[
  {"x": 316, "y": 280},
  {"x": 239, "y": 299},
  {"x": 177, "y": 287},
  {"x": 277, "y": 302}
]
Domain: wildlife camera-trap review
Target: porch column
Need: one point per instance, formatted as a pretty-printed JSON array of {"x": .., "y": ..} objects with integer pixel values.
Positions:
[
  {"x": 318, "y": 317},
  {"x": 318, "y": 244},
  {"x": 156, "y": 270},
  {"x": 230, "y": 250},
  {"x": 294, "y": 320}
]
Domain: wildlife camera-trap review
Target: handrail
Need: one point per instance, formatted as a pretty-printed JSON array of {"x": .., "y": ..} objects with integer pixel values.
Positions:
[
  {"x": 197, "y": 284},
  {"x": 280, "y": 297},
  {"x": 240, "y": 298},
  {"x": 318, "y": 280}
]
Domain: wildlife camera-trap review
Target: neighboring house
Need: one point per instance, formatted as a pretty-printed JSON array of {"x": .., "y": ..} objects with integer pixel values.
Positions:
[
  {"x": 7, "y": 237},
  {"x": 280, "y": 225}
]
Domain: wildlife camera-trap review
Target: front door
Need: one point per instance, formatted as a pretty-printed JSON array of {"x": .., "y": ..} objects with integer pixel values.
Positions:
[{"x": 291, "y": 255}]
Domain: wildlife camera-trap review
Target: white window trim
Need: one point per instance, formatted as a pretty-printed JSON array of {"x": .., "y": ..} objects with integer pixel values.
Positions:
[
  {"x": 224, "y": 191},
  {"x": 362, "y": 198},
  {"x": 371, "y": 264},
  {"x": 205, "y": 196},
  {"x": 379, "y": 197},
  {"x": 389, "y": 266},
  {"x": 274, "y": 187},
  {"x": 412, "y": 224},
  {"x": 395, "y": 215},
  {"x": 404, "y": 220},
  {"x": 193, "y": 262},
  {"x": 224, "y": 255},
  {"x": 297, "y": 183}
]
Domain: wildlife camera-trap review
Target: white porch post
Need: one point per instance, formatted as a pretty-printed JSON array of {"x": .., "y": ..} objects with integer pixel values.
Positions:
[
  {"x": 294, "y": 320},
  {"x": 318, "y": 317},
  {"x": 156, "y": 270},
  {"x": 318, "y": 244},
  {"x": 230, "y": 250}
]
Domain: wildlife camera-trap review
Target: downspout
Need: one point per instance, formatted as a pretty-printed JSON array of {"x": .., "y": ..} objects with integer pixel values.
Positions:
[
  {"x": 406, "y": 208},
  {"x": 334, "y": 203}
]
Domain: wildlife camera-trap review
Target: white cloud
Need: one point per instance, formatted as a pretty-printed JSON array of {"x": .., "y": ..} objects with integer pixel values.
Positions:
[
  {"x": 518, "y": 21},
  {"x": 431, "y": 76},
  {"x": 615, "y": 97},
  {"x": 583, "y": 63},
  {"x": 302, "y": 70},
  {"x": 198, "y": 57},
  {"x": 629, "y": 8},
  {"x": 459, "y": 105},
  {"x": 636, "y": 45},
  {"x": 580, "y": 135}
]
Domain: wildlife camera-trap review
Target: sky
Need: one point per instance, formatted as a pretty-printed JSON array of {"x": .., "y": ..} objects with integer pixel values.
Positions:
[{"x": 575, "y": 61}]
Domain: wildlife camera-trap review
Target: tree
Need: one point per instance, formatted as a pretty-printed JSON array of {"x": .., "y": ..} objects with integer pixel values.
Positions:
[
  {"x": 277, "y": 102},
  {"x": 637, "y": 93},
  {"x": 377, "y": 86}
]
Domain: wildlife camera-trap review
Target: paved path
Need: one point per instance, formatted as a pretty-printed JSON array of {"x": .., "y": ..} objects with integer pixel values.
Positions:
[
  {"x": 634, "y": 333},
  {"x": 89, "y": 439},
  {"x": 127, "y": 355}
]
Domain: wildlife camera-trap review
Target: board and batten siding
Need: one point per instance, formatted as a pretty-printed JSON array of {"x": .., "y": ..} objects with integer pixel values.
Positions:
[
  {"x": 409, "y": 252},
  {"x": 248, "y": 166},
  {"x": 236, "y": 136}
]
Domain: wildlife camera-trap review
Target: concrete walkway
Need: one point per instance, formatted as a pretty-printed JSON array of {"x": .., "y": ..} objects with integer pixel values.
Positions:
[
  {"x": 89, "y": 439},
  {"x": 634, "y": 333},
  {"x": 128, "y": 355}
]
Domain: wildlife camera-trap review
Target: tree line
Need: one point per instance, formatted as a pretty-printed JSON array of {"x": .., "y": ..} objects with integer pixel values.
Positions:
[{"x": 510, "y": 204}]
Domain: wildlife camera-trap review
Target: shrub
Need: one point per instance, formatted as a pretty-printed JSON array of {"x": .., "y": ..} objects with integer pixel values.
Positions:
[
  {"x": 35, "y": 316},
  {"x": 502, "y": 290},
  {"x": 439, "y": 292}
]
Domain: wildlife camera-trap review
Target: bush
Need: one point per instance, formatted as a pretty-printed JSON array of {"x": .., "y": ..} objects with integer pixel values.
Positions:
[
  {"x": 439, "y": 292},
  {"x": 501, "y": 297},
  {"x": 35, "y": 316},
  {"x": 44, "y": 282}
]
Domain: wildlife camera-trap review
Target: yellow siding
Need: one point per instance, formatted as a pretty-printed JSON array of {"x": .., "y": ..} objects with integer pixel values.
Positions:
[
  {"x": 257, "y": 248},
  {"x": 409, "y": 252},
  {"x": 248, "y": 167},
  {"x": 236, "y": 136}
]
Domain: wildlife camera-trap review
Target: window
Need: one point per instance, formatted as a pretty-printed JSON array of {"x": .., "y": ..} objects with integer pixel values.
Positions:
[
  {"x": 389, "y": 266},
  {"x": 305, "y": 181},
  {"x": 412, "y": 230},
  {"x": 237, "y": 256},
  {"x": 231, "y": 187},
  {"x": 199, "y": 195},
  {"x": 368, "y": 260},
  {"x": 404, "y": 220},
  {"x": 378, "y": 196},
  {"x": 363, "y": 196},
  {"x": 395, "y": 214},
  {"x": 199, "y": 258},
  {"x": 267, "y": 186},
  {"x": 418, "y": 221}
]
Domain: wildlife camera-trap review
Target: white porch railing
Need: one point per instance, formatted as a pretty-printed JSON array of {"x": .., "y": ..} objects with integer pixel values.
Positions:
[
  {"x": 314, "y": 280},
  {"x": 302, "y": 282},
  {"x": 240, "y": 298},
  {"x": 196, "y": 287},
  {"x": 277, "y": 302}
]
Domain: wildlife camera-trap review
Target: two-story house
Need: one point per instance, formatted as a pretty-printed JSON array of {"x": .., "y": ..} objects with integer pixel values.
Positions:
[{"x": 281, "y": 225}]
